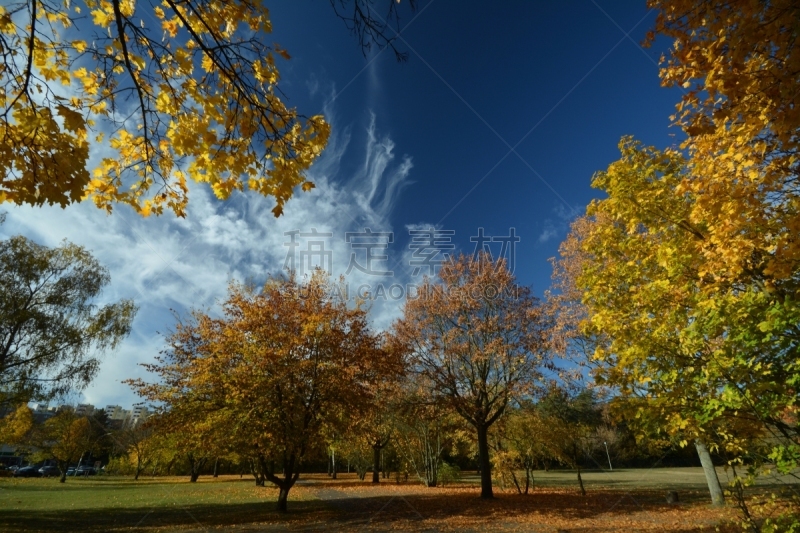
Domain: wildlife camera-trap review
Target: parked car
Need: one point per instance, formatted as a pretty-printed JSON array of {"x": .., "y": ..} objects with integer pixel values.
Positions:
[
  {"x": 48, "y": 471},
  {"x": 85, "y": 471},
  {"x": 27, "y": 471}
]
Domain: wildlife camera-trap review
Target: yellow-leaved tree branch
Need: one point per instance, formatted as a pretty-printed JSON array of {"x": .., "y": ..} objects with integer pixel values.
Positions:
[{"x": 184, "y": 88}]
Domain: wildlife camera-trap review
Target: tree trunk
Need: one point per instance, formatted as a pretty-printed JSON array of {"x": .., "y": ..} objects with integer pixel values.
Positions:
[
  {"x": 717, "y": 498},
  {"x": 528, "y": 478},
  {"x": 216, "y": 467},
  {"x": 283, "y": 497},
  {"x": 484, "y": 462},
  {"x": 376, "y": 464},
  {"x": 580, "y": 482},
  {"x": 195, "y": 466},
  {"x": 333, "y": 464},
  {"x": 63, "y": 477}
]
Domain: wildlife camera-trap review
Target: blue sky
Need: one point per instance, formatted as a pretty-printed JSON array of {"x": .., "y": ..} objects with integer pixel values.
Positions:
[
  {"x": 498, "y": 119},
  {"x": 561, "y": 75}
]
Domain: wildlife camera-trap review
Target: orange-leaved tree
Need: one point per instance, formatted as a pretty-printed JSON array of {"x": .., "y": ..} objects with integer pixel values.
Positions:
[
  {"x": 274, "y": 373},
  {"x": 480, "y": 338}
]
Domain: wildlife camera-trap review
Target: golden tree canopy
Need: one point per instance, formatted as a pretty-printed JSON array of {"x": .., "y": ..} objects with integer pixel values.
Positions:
[{"x": 184, "y": 88}]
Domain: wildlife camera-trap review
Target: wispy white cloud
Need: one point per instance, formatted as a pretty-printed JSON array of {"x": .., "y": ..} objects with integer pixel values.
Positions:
[{"x": 168, "y": 264}]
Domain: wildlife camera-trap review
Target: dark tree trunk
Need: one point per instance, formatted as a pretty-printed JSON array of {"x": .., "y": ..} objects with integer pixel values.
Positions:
[
  {"x": 216, "y": 467},
  {"x": 580, "y": 482},
  {"x": 283, "y": 497},
  {"x": 376, "y": 464},
  {"x": 195, "y": 466},
  {"x": 528, "y": 479},
  {"x": 333, "y": 464},
  {"x": 284, "y": 484},
  {"x": 484, "y": 462}
]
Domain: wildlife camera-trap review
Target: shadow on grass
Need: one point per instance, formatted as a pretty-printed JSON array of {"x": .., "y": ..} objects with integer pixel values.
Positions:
[
  {"x": 346, "y": 512},
  {"x": 143, "y": 518}
]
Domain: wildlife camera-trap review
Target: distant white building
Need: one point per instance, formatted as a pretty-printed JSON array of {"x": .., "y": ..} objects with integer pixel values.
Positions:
[
  {"x": 84, "y": 409},
  {"x": 139, "y": 415},
  {"x": 114, "y": 412}
]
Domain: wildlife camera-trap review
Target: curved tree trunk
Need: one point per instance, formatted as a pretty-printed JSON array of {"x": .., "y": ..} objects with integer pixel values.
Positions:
[
  {"x": 284, "y": 484},
  {"x": 484, "y": 462},
  {"x": 717, "y": 497}
]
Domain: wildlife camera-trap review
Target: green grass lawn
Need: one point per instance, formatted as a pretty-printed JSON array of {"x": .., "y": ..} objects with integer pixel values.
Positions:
[
  {"x": 101, "y": 503},
  {"x": 113, "y": 503}
]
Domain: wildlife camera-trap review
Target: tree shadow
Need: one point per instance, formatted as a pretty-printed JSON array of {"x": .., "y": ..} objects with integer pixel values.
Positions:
[
  {"x": 143, "y": 518},
  {"x": 403, "y": 510}
]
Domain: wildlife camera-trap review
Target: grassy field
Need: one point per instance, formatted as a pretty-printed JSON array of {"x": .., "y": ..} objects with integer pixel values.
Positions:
[{"x": 632, "y": 500}]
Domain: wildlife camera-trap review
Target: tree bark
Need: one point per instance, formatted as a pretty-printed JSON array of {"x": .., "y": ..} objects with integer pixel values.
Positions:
[
  {"x": 376, "y": 464},
  {"x": 216, "y": 467},
  {"x": 195, "y": 466},
  {"x": 284, "y": 484},
  {"x": 717, "y": 497},
  {"x": 283, "y": 497},
  {"x": 580, "y": 482},
  {"x": 484, "y": 462},
  {"x": 333, "y": 464}
]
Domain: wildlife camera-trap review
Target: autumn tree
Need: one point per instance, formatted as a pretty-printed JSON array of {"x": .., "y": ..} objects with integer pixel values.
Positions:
[
  {"x": 378, "y": 423},
  {"x": 139, "y": 445},
  {"x": 274, "y": 372},
  {"x": 51, "y": 328},
  {"x": 196, "y": 434},
  {"x": 426, "y": 428},
  {"x": 15, "y": 425},
  {"x": 64, "y": 438},
  {"x": 691, "y": 345},
  {"x": 569, "y": 426},
  {"x": 738, "y": 65},
  {"x": 479, "y": 337},
  {"x": 521, "y": 443}
]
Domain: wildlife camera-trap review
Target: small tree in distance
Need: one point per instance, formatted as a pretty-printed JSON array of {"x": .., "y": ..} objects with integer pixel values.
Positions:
[{"x": 63, "y": 439}]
